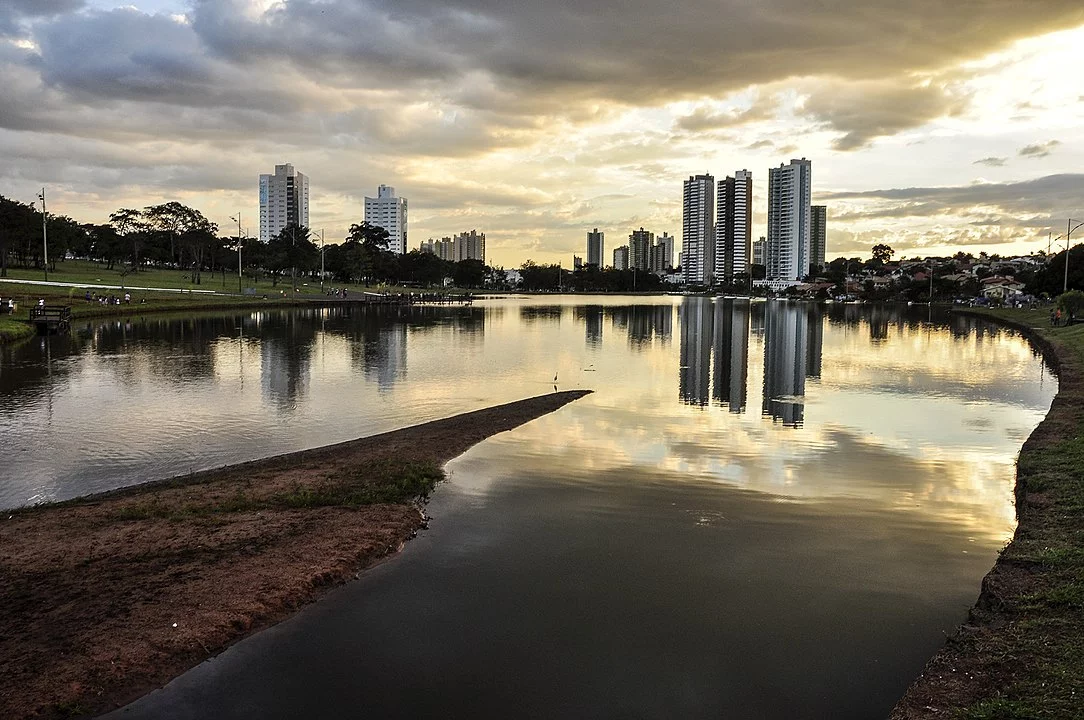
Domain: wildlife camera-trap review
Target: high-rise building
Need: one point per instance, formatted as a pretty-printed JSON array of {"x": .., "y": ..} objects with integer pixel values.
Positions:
[
  {"x": 389, "y": 211},
  {"x": 596, "y": 246},
  {"x": 640, "y": 243},
  {"x": 789, "y": 188},
  {"x": 697, "y": 229},
  {"x": 577, "y": 262},
  {"x": 760, "y": 252},
  {"x": 464, "y": 246},
  {"x": 733, "y": 225},
  {"x": 469, "y": 246},
  {"x": 621, "y": 258},
  {"x": 818, "y": 216},
  {"x": 663, "y": 254},
  {"x": 284, "y": 200}
]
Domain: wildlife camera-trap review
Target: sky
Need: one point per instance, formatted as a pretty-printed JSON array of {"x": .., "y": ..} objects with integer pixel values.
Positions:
[{"x": 932, "y": 126}]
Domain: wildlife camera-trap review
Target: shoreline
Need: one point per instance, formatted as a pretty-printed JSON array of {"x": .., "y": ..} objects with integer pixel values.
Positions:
[
  {"x": 1020, "y": 653},
  {"x": 107, "y": 597}
]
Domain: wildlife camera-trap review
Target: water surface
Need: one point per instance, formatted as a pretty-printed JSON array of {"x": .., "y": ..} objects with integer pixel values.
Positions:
[{"x": 768, "y": 510}]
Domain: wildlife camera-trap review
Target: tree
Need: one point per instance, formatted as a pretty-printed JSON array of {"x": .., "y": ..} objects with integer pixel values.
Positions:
[
  {"x": 882, "y": 252},
  {"x": 470, "y": 273},
  {"x": 19, "y": 224},
  {"x": 133, "y": 226},
  {"x": 292, "y": 249},
  {"x": 1071, "y": 302}
]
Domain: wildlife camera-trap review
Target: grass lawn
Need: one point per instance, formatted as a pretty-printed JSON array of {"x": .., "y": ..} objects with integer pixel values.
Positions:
[{"x": 14, "y": 330}]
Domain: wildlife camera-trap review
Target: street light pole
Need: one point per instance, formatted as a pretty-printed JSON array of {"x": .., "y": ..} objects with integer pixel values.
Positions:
[
  {"x": 321, "y": 261},
  {"x": 1069, "y": 228},
  {"x": 44, "y": 235},
  {"x": 238, "y": 219}
]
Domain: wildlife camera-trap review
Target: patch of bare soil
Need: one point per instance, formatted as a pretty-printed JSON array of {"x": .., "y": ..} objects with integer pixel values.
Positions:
[{"x": 105, "y": 598}]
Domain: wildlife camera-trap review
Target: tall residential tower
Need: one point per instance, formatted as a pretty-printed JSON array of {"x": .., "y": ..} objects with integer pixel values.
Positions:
[
  {"x": 789, "y": 188},
  {"x": 389, "y": 211},
  {"x": 817, "y": 234},
  {"x": 284, "y": 200},
  {"x": 697, "y": 236},
  {"x": 595, "y": 247},
  {"x": 734, "y": 225}
]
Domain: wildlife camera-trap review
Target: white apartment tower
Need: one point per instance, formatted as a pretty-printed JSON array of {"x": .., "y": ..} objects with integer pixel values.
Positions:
[
  {"x": 734, "y": 225},
  {"x": 697, "y": 229},
  {"x": 389, "y": 211},
  {"x": 789, "y": 188},
  {"x": 284, "y": 199},
  {"x": 662, "y": 256}
]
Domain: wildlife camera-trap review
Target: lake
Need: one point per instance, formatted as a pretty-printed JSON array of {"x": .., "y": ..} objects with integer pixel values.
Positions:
[{"x": 766, "y": 509}]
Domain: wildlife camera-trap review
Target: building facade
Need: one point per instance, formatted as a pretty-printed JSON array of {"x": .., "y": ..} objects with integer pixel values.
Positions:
[
  {"x": 734, "y": 225},
  {"x": 663, "y": 255},
  {"x": 789, "y": 188},
  {"x": 640, "y": 244},
  {"x": 697, "y": 229},
  {"x": 389, "y": 211},
  {"x": 596, "y": 247},
  {"x": 621, "y": 258},
  {"x": 464, "y": 246},
  {"x": 818, "y": 216},
  {"x": 760, "y": 252},
  {"x": 284, "y": 200}
]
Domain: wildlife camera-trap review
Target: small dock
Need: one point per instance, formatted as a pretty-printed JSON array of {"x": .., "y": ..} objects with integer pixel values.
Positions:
[{"x": 51, "y": 319}]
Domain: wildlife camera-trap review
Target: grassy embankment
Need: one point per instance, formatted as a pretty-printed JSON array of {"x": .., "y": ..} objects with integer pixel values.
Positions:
[
  {"x": 224, "y": 297},
  {"x": 1021, "y": 653}
]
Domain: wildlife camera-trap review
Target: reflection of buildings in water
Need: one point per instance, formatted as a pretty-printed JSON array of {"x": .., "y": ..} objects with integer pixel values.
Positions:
[
  {"x": 697, "y": 319},
  {"x": 731, "y": 349},
  {"x": 793, "y": 343},
  {"x": 285, "y": 362},
  {"x": 878, "y": 319},
  {"x": 544, "y": 313},
  {"x": 592, "y": 316},
  {"x": 644, "y": 323},
  {"x": 386, "y": 356}
]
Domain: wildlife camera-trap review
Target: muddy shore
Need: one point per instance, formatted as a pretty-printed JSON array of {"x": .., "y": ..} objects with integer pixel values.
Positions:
[
  {"x": 105, "y": 598},
  {"x": 1021, "y": 652}
]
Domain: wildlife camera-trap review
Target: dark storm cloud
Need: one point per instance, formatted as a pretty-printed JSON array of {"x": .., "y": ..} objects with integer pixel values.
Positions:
[
  {"x": 13, "y": 13},
  {"x": 1046, "y": 197}
]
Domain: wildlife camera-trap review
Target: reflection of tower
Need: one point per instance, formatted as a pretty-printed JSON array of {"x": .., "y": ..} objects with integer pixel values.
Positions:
[
  {"x": 731, "y": 347},
  {"x": 786, "y": 341},
  {"x": 664, "y": 323},
  {"x": 391, "y": 355},
  {"x": 593, "y": 320},
  {"x": 285, "y": 361},
  {"x": 696, "y": 319},
  {"x": 814, "y": 341}
]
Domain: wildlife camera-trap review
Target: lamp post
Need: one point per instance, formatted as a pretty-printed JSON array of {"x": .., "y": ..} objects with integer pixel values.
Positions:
[
  {"x": 44, "y": 236},
  {"x": 321, "y": 261},
  {"x": 238, "y": 220},
  {"x": 1069, "y": 228}
]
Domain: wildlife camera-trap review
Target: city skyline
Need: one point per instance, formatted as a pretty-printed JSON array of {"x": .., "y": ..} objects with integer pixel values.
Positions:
[{"x": 960, "y": 138}]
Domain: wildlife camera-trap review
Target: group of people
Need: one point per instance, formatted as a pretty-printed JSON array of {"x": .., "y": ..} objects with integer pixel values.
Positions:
[
  {"x": 1057, "y": 319},
  {"x": 110, "y": 300}
]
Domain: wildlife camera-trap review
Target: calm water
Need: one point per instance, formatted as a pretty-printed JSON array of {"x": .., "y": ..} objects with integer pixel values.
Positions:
[{"x": 765, "y": 510}]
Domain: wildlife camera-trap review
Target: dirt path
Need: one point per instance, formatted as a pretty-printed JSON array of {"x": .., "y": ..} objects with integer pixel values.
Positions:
[{"x": 105, "y": 598}]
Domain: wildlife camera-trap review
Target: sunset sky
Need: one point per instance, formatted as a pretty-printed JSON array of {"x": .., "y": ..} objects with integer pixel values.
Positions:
[{"x": 932, "y": 125}]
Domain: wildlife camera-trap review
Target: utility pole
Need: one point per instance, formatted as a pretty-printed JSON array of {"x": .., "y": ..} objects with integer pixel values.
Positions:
[
  {"x": 44, "y": 235},
  {"x": 1068, "y": 231},
  {"x": 321, "y": 260},
  {"x": 238, "y": 219}
]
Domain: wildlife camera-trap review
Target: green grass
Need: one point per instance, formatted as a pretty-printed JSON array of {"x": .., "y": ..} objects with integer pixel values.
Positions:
[
  {"x": 11, "y": 330},
  {"x": 390, "y": 481}
]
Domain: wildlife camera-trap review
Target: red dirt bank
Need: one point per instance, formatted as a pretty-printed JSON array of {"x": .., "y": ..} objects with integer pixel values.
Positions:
[{"x": 105, "y": 598}]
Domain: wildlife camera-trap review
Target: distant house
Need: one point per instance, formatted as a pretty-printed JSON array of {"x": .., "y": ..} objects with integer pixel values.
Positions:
[{"x": 1000, "y": 292}]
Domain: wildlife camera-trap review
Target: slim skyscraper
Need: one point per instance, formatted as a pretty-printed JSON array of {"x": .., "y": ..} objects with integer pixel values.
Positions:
[
  {"x": 697, "y": 229},
  {"x": 596, "y": 241},
  {"x": 284, "y": 200},
  {"x": 734, "y": 225},
  {"x": 817, "y": 234},
  {"x": 760, "y": 251},
  {"x": 640, "y": 244},
  {"x": 389, "y": 211},
  {"x": 789, "y": 188}
]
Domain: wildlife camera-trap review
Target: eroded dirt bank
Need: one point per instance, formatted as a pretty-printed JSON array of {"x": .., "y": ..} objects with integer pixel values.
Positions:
[{"x": 105, "y": 598}]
